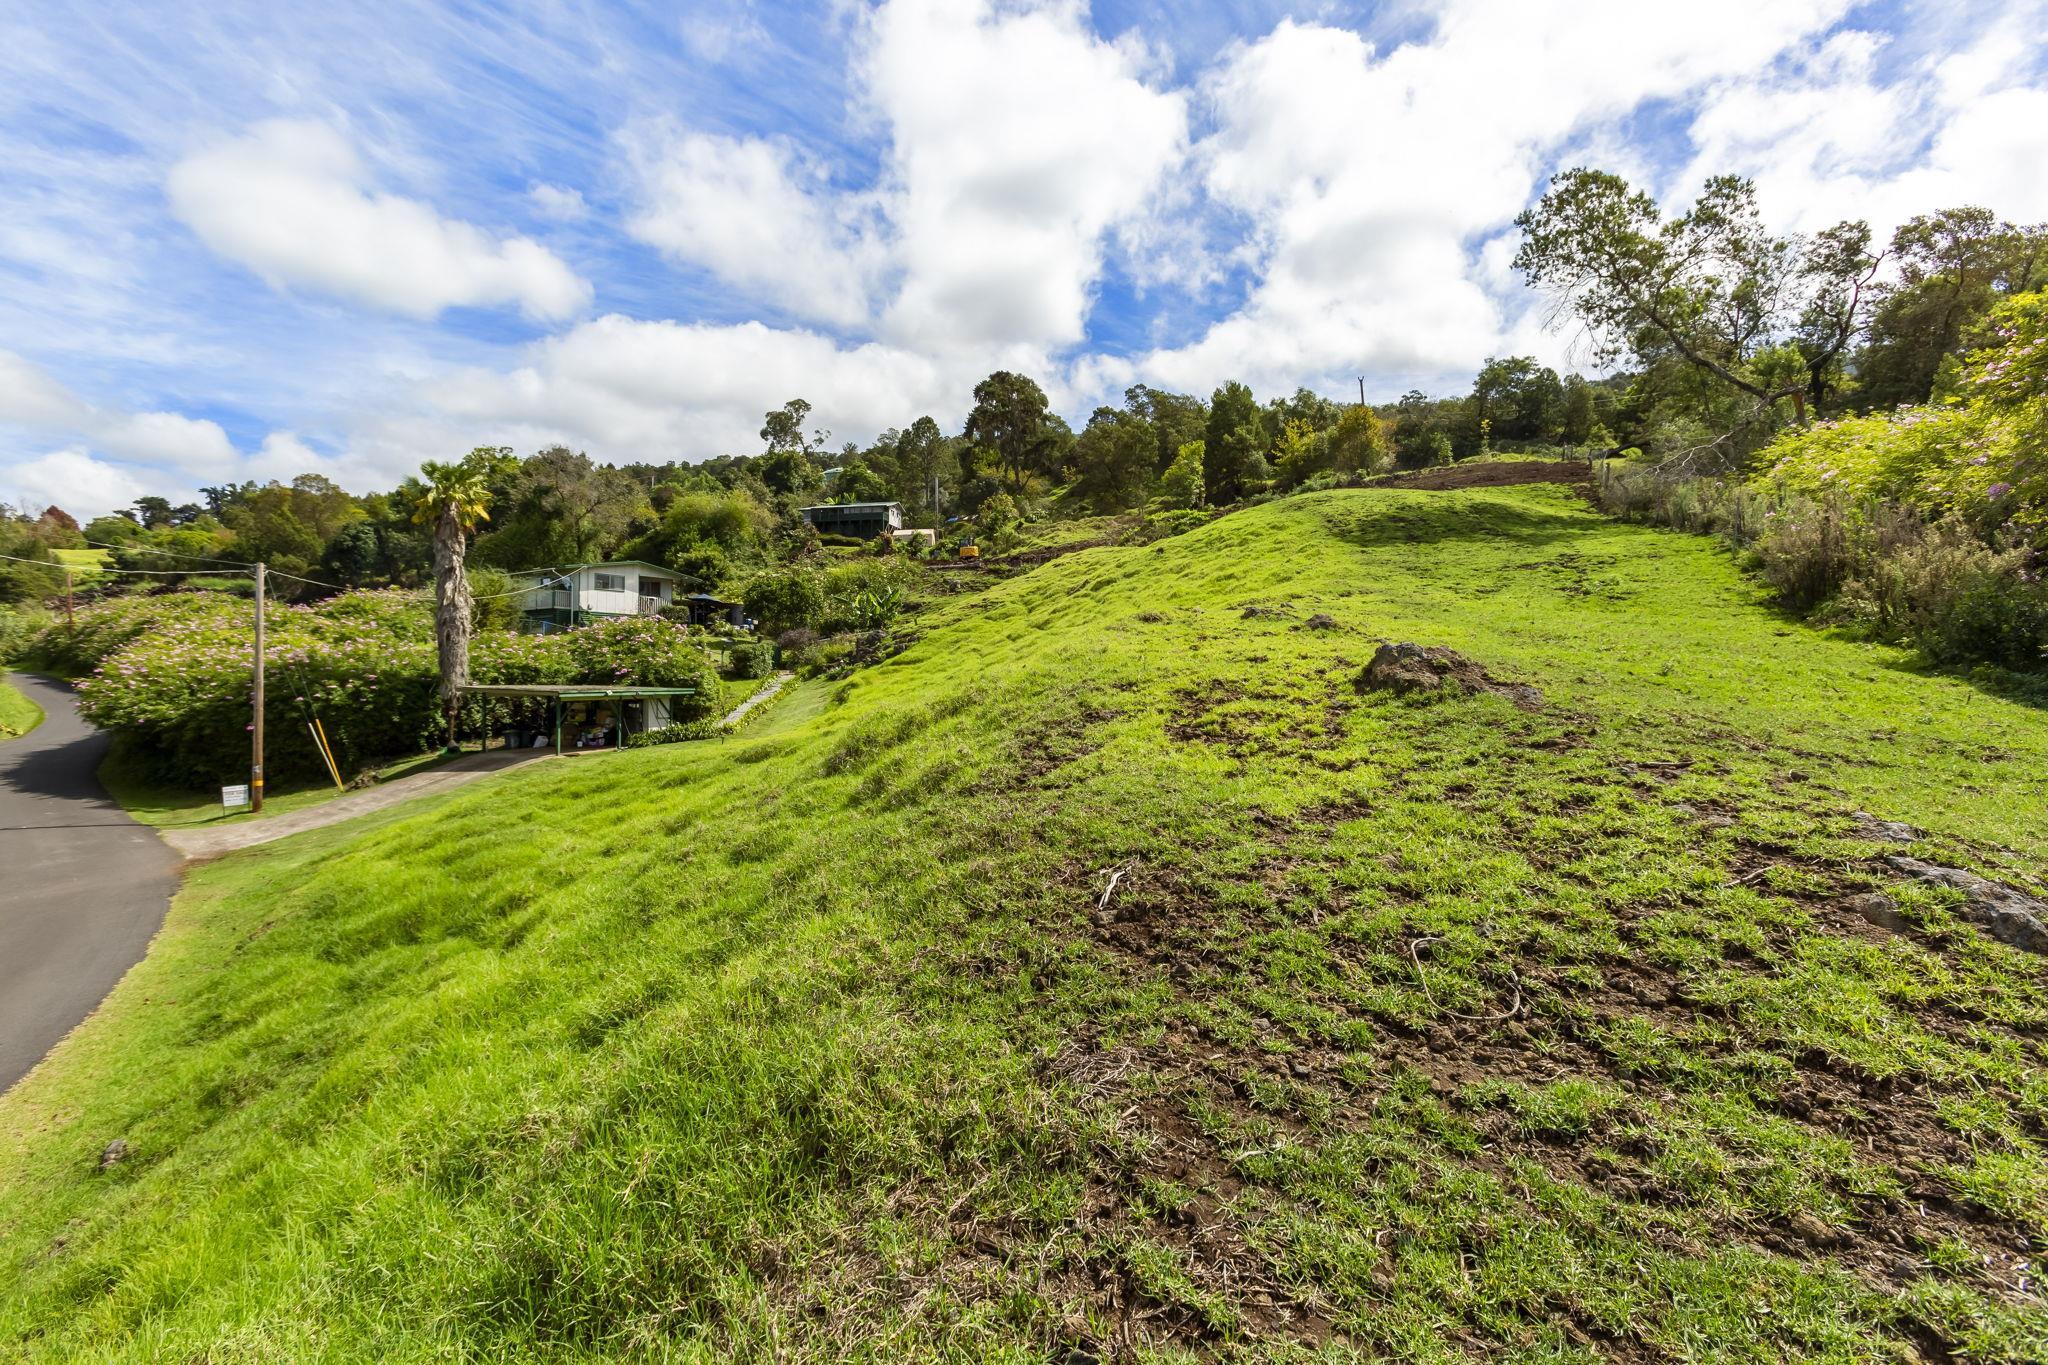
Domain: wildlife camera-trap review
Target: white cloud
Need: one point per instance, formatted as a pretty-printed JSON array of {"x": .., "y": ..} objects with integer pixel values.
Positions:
[
  {"x": 664, "y": 390},
  {"x": 1018, "y": 139},
  {"x": 83, "y": 486},
  {"x": 1833, "y": 136},
  {"x": 1370, "y": 181},
  {"x": 753, "y": 213},
  {"x": 31, "y": 398},
  {"x": 291, "y": 201},
  {"x": 194, "y": 445},
  {"x": 557, "y": 202}
]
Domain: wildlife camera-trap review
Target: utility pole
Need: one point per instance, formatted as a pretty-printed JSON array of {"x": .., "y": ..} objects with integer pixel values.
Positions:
[
  {"x": 1361, "y": 391},
  {"x": 69, "y": 624},
  {"x": 256, "y": 729}
]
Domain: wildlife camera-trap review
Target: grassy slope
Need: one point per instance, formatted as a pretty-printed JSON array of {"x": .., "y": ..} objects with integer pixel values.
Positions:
[
  {"x": 815, "y": 1043},
  {"x": 155, "y": 804},
  {"x": 18, "y": 715}
]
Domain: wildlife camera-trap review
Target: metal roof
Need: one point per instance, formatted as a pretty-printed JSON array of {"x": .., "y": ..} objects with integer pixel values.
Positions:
[
  {"x": 606, "y": 564},
  {"x": 852, "y": 507}
]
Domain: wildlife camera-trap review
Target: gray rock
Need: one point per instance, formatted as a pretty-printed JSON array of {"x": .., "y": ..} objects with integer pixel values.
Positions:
[
  {"x": 1880, "y": 910},
  {"x": 1884, "y": 831},
  {"x": 116, "y": 1152},
  {"x": 2010, "y": 917}
]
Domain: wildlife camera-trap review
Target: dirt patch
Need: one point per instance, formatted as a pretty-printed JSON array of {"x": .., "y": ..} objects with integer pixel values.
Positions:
[
  {"x": 1421, "y": 668},
  {"x": 1491, "y": 474}
]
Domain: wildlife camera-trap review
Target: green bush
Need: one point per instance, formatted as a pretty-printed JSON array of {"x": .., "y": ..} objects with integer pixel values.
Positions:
[
  {"x": 1937, "y": 586},
  {"x": 19, "y": 626},
  {"x": 751, "y": 659},
  {"x": 364, "y": 663},
  {"x": 784, "y": 599},
  {"x": 704, "y": 727}
]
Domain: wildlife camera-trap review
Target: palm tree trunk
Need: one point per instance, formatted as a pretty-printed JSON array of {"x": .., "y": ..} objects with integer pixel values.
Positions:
[{"x": 452, "y": 607}]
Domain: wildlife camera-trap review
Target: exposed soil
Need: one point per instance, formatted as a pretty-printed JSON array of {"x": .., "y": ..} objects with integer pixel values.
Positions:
[{"x": 1419, "y": 668}]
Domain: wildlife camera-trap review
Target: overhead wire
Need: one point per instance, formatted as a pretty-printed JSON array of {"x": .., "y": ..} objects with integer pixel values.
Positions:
[
  {"x": 95, "y": 568},
  {"x": 169, "y": 554}
]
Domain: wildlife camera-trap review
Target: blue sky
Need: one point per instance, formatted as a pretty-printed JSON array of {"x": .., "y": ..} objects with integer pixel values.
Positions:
[{"x": 249, "y": 240}]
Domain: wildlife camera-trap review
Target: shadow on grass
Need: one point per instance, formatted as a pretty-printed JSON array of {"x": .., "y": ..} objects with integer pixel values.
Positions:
[{"x": 1437, "y": 518}]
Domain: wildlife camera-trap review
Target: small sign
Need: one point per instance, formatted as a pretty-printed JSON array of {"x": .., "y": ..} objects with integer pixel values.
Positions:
[{"x": 234, "y": 798}]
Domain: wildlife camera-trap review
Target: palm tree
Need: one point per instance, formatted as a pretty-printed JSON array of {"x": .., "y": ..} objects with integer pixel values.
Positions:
[{"x": 453, "y": 499}]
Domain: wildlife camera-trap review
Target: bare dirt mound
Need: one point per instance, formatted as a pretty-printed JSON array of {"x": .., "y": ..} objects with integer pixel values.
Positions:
[
  {"x": 1420, "y": 668},
  {"x": 1491, "y": 474}
]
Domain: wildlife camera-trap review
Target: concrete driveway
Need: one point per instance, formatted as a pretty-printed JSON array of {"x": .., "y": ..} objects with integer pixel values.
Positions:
[{"x": 82, "y": 886}]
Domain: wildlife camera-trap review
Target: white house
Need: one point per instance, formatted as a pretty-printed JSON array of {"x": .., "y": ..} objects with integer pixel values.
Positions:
[{"x": 556, "y": 599}]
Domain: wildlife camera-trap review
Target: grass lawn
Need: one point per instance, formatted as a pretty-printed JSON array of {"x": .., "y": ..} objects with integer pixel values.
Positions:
[
  {"x": 1109, "y": 971},
  {"x": 155, "y": 804},
  {"x": 18, "y": 715}
]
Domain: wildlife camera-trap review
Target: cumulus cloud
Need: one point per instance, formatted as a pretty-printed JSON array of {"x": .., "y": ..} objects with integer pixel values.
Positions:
[
  {"x": 1017, "y": 139},
  {"x": 291, "y": 200},
  {"x": 1833, "y": 134},
  {"x": 71, "y": 478},
  {"x": 30, "y": 397},
  {"x": 666, "y": 390},
  {"x": 1376, "y": 185},
  {"x": 756, "y": 215},
  {"x": 117, "y": 454},
  {"x": 560, "y": 203}
]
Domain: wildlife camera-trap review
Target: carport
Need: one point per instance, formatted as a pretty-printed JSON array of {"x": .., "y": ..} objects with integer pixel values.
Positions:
[{"x": 562, "y": 696}]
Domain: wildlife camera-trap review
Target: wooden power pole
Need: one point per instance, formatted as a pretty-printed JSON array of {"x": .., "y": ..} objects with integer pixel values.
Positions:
[
  {"x": 256, "y": 727},
  {"x": 70, "y": 623}
]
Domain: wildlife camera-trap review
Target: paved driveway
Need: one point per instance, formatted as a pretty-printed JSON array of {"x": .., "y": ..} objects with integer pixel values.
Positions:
[{"x": 82, "y": 887}]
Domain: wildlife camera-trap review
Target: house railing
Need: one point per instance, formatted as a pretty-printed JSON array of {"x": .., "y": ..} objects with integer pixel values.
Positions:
[{"x": 650, "y": 606}]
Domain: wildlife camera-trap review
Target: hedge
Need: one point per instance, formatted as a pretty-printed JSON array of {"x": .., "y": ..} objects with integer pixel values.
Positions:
[{"x": 364, "y": 663}]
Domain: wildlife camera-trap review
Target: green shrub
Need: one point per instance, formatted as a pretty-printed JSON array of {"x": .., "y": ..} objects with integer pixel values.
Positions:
[
  {"x": 784, "y": 599},
  {"x": 364, "y": 663},
  {"x": 751, "y": 659},
  {"x": 704, "y": 727},
  {"x": 19, "y": 626}
]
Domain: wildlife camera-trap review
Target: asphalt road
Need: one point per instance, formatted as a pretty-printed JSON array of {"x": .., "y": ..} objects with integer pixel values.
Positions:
[{"x": 82, "y": 886}]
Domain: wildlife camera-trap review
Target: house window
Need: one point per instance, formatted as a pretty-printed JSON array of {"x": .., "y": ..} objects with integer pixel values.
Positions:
[{"x": 607, "y": 582}]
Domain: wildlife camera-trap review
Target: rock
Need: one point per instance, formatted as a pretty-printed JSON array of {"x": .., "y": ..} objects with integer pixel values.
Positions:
[
  {"x": 2010, "y": 917},
  {"x": 1320, "y": 621},
  {"x": 1258, "y": 613},
  {"x": 1880, "y": 910},
  {"x": 1083, "y": 1354},
  {"x": 1813, "y": 1231},
  {"x": 1884, "y": 831},
  {"x": 1417, "y": 668},
  {"x": 116, "y": 1152}
]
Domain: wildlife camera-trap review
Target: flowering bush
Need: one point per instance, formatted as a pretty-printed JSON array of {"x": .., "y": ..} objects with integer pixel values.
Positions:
[
  {"x": 364, "y": 663},
  {"x": 1983, "y": 453}
]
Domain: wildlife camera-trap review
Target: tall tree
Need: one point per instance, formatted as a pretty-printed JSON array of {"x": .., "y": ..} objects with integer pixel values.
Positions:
[
  {"x": 1953, "y": 267},
  {"x": 1012, "y": 418},
  {"x": 564, "y": 508},
  {"x": 783, "y": 429},
  {"x": 1770, "y": 317},
  {"x": 1233, "y": 447},
  {"x": 1176, "y": 418},
  {"x": 1113, "y": 458},
  {"x": 454, "y": 498}
]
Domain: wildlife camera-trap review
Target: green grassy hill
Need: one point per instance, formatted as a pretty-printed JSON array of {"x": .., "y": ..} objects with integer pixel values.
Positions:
[{"x": 1109, "y": 977}]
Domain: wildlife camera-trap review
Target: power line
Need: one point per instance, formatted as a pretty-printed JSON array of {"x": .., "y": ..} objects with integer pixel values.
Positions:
[
  {"x": 280, "y": 573},
  {"x": 169, "y": 554},
  {"x": 94, "y": 568}
]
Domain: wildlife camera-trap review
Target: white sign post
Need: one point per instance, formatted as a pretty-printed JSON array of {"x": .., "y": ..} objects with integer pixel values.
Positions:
[{"x": 234, "y": 798}]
